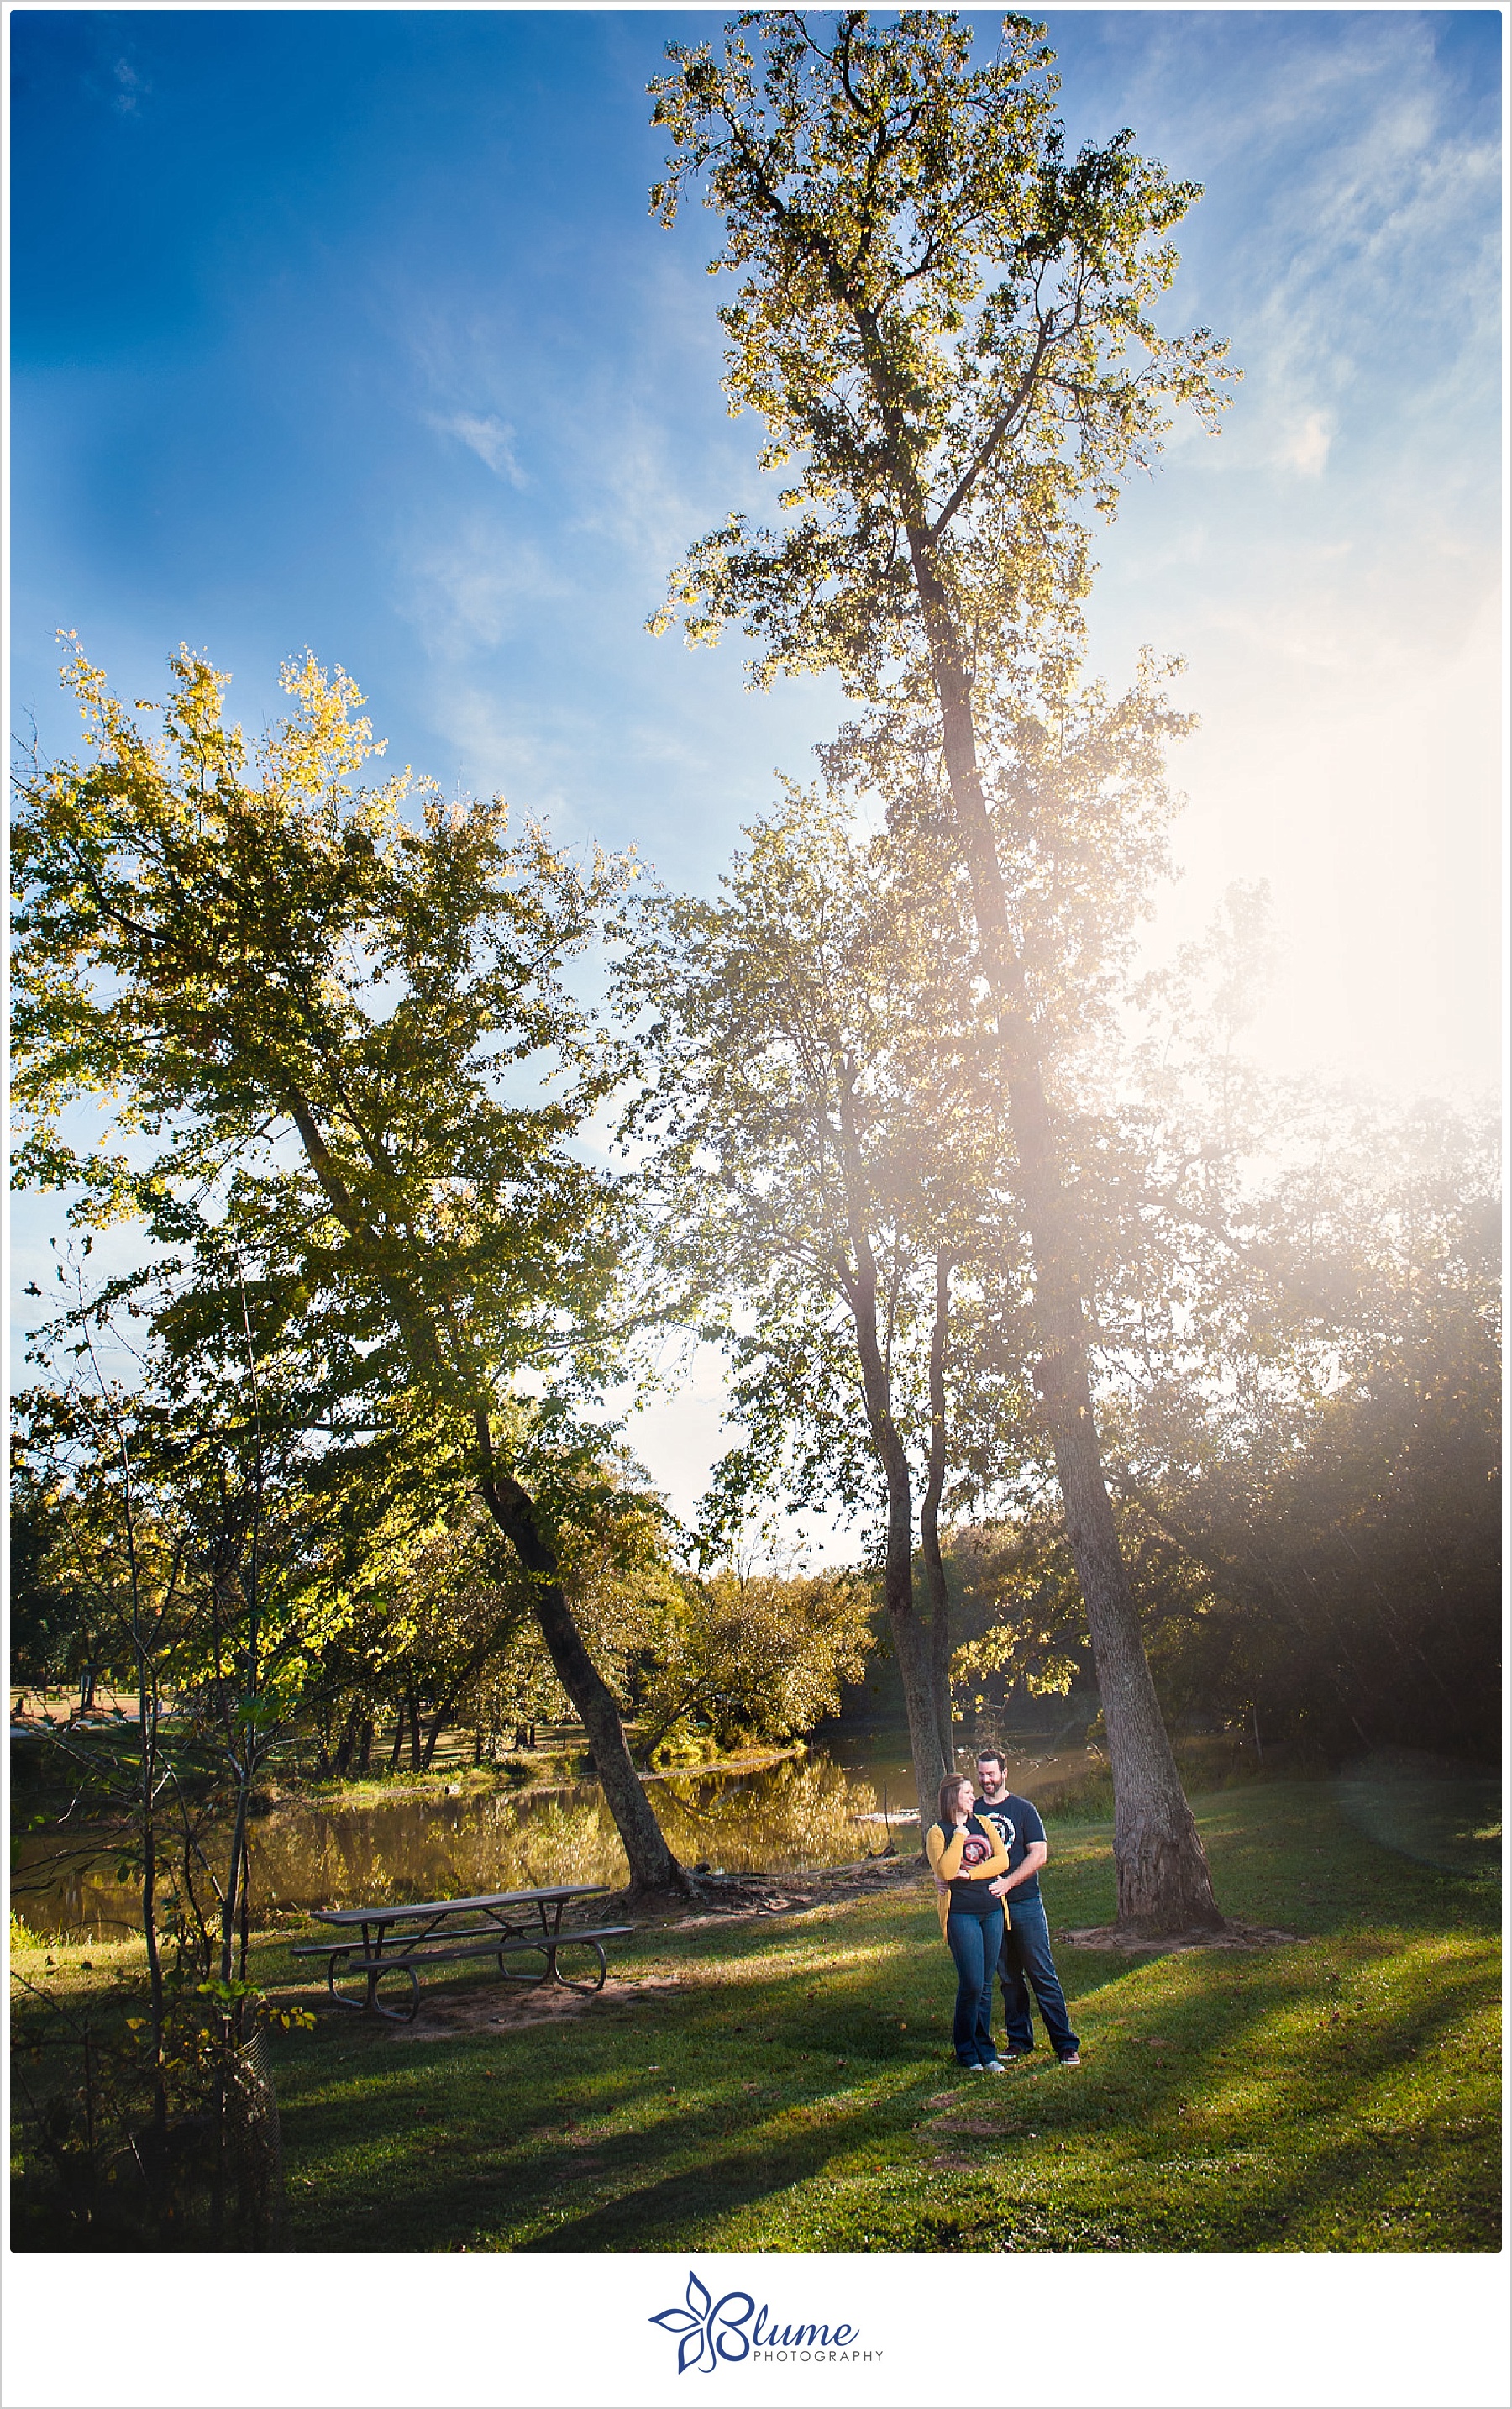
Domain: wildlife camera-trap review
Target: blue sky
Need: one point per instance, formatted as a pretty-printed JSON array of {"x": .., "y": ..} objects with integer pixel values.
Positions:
[{"x": 352, "y": 330}]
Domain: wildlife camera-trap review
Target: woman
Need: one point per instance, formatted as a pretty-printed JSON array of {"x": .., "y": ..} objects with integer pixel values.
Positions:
[{"x": 966, "y": 1856}]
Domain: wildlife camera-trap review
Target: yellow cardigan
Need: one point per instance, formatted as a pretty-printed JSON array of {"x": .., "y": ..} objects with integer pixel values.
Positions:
[{"x": 945, "y": 1855}]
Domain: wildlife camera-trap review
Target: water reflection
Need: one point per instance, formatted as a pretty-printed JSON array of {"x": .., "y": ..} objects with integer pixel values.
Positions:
[{"x": 824, "y": 1809}]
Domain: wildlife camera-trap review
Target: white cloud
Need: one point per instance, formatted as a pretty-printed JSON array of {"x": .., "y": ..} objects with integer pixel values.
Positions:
[
  {"x": 130, "y": 87},
  {"x": 492, "y": 438},
  {"x": 1304, "y": 444},
  {"x": 473, "y": 588},
  {"x": 506, "y": 749}
]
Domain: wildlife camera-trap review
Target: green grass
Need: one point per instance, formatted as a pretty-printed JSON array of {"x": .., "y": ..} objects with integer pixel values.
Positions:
[{"x": 791, "y": 2086}]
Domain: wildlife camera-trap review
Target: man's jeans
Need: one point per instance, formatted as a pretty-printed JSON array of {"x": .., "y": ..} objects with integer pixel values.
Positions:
[
  {"x": 975, "y": 1944},
  {"x": 1026, "y": 1965}
]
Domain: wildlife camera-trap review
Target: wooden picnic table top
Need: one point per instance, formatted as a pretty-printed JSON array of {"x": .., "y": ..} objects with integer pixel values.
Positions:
[{"x": 391, "y": 1914}]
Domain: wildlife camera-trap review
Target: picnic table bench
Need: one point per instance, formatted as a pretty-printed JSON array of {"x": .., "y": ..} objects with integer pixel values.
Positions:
[{"x": 400, "y": 1940}]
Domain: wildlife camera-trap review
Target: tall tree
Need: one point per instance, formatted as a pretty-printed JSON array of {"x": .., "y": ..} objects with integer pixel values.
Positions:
[
  {"x": 945, "y": 324},
  {"x": 338, "y": 1033},
  {"x": 822, "y": 1131}
]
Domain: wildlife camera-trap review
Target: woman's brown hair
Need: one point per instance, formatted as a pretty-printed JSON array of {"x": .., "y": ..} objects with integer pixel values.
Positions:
[{"x": 952, "y": 1783}]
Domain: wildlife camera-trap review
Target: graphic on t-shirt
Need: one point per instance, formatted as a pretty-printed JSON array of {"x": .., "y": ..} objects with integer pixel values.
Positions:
[
  {"x": 976, "y": 1852},
  {"x": 1017, "y": 1823}
]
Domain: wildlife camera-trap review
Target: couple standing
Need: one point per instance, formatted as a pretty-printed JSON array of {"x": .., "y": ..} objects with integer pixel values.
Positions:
[{"x": 987, "y": 1850}]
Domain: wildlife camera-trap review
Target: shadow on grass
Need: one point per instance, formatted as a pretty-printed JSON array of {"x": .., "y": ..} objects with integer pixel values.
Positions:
[
  {"x": 673, "y": 2206},
  {"x": 1322, "y": 2097},
  {"x": 589, "y": 2190}
]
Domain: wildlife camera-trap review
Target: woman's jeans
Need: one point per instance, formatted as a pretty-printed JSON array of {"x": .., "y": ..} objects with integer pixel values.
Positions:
[
  {"x": 976, "y": 1941},
  {"x": 1028, "y": 1965}
]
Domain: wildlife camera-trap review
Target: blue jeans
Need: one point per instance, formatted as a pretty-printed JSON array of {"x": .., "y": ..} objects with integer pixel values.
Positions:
[
  {"x": 1026, "y": 1965},
  {"x": 975, "y": 1944}
]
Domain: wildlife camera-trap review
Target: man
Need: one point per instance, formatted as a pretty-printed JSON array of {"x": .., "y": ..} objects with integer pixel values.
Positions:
[{"x": 1025, "y": 1964}]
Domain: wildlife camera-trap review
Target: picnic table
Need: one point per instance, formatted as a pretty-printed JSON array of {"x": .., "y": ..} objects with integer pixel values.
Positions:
[{"x": 399, "y": 1939}]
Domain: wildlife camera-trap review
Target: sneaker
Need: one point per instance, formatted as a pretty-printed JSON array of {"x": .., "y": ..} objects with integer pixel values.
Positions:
[
  {"x": 1072, "y": 2057},
  {"x": 994, "y": 2066},
  {"x": 973, "y": 2069}
]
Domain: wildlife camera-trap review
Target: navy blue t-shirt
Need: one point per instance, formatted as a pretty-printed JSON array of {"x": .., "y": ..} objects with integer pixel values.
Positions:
[{"x": 1016, "y": 1823}]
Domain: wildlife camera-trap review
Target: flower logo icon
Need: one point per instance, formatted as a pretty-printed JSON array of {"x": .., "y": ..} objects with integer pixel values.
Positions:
[{"x": 707, "y": 2329}]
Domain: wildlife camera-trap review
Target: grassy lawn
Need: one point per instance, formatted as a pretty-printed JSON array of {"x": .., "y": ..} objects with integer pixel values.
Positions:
[{"x": 786, "y": 2082}]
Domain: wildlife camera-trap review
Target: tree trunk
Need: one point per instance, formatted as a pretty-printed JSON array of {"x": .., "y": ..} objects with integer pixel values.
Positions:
[
  {"x": 323, "y": 1767},
  {"x": 147, "y": 1724},
  {"x": 910, "y": 1642},
  {"x": 341, "y": 1764},
  {"x": 652, "y": 1865},
  {"x": 438, "y": 1724},
  {"x": 934, "y": 1569},
  {"x": 1163, "y": 1882},
  {"x": 476, "y": 1658},
  {"x": 245, "y": 1934},
  {"x": 231, "y": 1898}
]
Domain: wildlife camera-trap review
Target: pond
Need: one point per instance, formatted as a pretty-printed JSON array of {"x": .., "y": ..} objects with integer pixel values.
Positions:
[{"x": 841, "y": 1799}]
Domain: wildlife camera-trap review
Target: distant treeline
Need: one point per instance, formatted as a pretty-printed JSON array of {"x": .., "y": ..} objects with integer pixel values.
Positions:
[{"x": 1346, "y": 1599}]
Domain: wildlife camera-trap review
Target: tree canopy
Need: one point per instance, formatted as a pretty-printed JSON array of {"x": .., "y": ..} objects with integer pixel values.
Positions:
[
  {"x": 306, "y": 1009},
  {"x": 946, "y": 326}
]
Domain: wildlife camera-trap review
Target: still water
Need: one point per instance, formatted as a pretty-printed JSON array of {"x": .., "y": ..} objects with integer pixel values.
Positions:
[{"x": 829, "y": 1807}]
